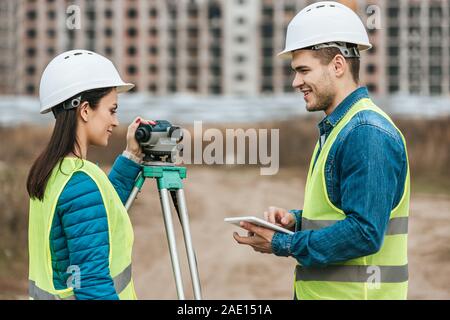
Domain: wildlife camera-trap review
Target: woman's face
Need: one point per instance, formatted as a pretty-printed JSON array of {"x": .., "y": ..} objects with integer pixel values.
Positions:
[{"x": 102, "y": 120}]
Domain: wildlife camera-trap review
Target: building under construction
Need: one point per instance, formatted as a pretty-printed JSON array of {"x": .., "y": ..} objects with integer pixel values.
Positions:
[{"x": 215, "y": 47}]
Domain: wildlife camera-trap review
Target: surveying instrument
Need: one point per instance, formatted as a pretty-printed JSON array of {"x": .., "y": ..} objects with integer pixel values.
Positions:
[{"x": 160, "y": 144}]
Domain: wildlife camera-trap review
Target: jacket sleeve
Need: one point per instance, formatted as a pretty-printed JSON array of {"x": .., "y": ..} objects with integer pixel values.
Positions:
[
  {"x": 85, "y": 226},
  {"x": 123, "y": 175},
  {"x": 298, "y": 218},
  {"x": 371, "y": 165}
]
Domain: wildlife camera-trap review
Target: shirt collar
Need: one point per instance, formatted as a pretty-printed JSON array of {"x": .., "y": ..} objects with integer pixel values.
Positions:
[{"x": 339, "y": 112}]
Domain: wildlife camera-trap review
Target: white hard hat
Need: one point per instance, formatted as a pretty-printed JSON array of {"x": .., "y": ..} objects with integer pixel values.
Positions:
[
  {"x": 325, "y": 22},
  {"x": 75, "y": 71}
]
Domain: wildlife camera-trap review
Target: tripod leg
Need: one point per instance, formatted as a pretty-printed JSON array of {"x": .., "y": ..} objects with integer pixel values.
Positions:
[
  {"x": 165, "y": 204},
  {"x": 188, "y": 242},
  {"x": 137, "y": 187},
  {"x": 131, "y": 198}
]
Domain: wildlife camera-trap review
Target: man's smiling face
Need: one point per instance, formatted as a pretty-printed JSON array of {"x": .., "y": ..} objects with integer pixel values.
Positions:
[{"x": 313, "y": 79}]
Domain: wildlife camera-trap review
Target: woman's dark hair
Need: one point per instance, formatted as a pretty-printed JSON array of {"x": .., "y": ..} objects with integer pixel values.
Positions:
[{"x": 62, "y": 142}]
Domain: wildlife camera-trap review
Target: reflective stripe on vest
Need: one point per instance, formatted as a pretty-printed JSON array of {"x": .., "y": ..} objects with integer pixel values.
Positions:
[
  {"x": 395, "y": 225},
  {"x": 121, "y": 281},
  {"x": 349, "y": 273},
  {"x": 38, "y": 294}
]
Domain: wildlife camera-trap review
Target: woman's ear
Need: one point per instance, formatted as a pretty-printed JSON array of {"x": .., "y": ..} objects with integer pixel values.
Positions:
[{"x": 84, "y": 111}]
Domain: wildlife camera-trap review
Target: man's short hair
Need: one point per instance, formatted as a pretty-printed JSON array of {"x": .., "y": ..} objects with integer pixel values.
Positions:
[{"x": 327, "y": 54}]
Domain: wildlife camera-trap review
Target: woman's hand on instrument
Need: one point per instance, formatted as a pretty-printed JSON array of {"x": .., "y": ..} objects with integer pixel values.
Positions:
[{"x": 133, "y": 146}]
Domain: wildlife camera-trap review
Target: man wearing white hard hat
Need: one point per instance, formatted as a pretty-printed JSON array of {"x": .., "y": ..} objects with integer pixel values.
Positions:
[
  {"x": 350, "y": 239},
  {"x": 80, "y": 235}
]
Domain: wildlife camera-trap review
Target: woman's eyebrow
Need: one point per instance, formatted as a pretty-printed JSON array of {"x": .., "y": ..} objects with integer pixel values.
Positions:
[{"x": 115, "y": 106}]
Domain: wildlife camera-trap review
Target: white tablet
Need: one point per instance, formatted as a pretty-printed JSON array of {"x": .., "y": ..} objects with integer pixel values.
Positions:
[{"x": 259, "y": 222}]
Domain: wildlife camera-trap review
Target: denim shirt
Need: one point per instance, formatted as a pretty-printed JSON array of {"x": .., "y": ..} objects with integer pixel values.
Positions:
[{"x": 365, "y": 173}]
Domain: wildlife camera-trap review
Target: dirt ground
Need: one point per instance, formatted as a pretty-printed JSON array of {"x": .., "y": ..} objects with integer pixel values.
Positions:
[{"x": 230, "y": 271}]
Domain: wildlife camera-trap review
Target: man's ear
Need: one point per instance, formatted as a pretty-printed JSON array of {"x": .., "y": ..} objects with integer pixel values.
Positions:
[
  {"x": 84, "y": 111},
  {"x": 339, "y": 65}
]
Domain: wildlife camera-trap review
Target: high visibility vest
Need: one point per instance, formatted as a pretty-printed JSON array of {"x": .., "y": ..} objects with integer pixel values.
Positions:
[
  {"x": 383, "y": 275},
  {"x": 120, "y": 234}
]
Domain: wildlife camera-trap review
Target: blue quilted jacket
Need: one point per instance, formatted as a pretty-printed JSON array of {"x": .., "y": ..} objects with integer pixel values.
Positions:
[{"x": 79, "y": 234}]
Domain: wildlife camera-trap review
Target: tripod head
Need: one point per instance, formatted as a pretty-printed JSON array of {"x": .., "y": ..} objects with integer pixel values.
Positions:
[{"x": 160, "y": 141}]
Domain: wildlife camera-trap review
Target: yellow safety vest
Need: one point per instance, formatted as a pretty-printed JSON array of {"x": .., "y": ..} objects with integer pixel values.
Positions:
[
  {"x": 383, "y": 275},
  {"x": 120, "y": 233}
]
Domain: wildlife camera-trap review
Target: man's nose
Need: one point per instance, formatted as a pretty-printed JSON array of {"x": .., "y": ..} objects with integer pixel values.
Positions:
[{"x": 298, "y": 81}]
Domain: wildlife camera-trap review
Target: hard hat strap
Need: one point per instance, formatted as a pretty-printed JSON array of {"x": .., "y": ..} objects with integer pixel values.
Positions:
[
  {"x": 71, "y": 103},
  {"x": 347, "y": 51}
]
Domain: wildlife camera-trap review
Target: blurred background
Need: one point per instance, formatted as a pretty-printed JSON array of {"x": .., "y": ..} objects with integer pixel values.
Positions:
[{"x": 215, "y": 61}]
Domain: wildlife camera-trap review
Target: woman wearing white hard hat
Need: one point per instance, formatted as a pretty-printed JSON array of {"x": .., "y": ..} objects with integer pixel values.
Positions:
[{"x": 80, "y": 235}]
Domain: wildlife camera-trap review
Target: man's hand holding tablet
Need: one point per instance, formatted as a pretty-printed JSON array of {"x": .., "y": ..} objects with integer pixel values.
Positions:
[{"x": 260, "y": 236}]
